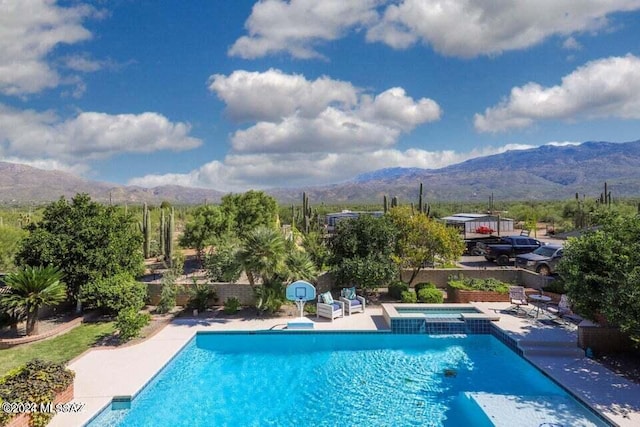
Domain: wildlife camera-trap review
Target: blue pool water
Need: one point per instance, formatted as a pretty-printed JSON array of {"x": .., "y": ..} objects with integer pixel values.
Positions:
[{"x": 345, "y": 379}]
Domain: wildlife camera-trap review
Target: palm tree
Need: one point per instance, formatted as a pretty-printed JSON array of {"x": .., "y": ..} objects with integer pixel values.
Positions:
[
  {"x": 263, "y": 254},
  {"x": 30, "y": 289},
  {"x": 300, "y": 266}
]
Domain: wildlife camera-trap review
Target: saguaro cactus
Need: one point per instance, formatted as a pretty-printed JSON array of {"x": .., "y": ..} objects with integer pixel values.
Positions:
[
  {"x": 420, "y": 206},
  {"x": 162, "y": 226},
  {"x": 145, "y": 228},
  {"x": 385, "y": 204}
]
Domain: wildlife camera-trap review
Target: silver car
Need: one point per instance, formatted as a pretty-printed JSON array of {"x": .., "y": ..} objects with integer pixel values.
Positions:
[{"x": 543, "y": 260}]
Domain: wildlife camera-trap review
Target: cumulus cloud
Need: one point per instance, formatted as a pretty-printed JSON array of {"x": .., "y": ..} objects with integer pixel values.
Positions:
[
  {"x": 296, "y": 26},
  {"x": 296, "y": 115},
  {"x": 31, "y": 136},
  {"x": 607, "y": 87},
  {"x": 271, "y": 95},
  {"x": 29, "y": 31},
  {"x": 264, "y": 170},
  {"x": 464, "y": 28}
]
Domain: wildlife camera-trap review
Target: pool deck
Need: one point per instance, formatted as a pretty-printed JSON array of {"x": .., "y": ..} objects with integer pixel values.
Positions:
[{"x": 102, "y": 374}]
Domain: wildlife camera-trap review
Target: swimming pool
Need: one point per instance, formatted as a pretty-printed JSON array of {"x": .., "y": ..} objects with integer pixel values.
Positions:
[{"x": 326, "y": 379}]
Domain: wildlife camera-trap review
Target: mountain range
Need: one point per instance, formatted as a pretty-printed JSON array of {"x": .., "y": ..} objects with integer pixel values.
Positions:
[{"x": 544, "y": 172}]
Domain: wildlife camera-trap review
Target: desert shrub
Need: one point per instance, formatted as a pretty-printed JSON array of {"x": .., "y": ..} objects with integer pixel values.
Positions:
[
  {"x": 469, "y": 284},
  {"x": 169, "y": 292},
  {"x": 222, "y": 265},
  {"x": 115, "y": 293},
  {"x": 430, "y": 296},
  {"x": 396, "y": 289},
  {"x": 36, "y": 382},
  {"x": 423, "y": 285},
  {"x": 269, "y": 297},
  {"x": 130, "y": 322},
  {"x": 201, "y": 296},
  {"x": 231, "y": 305},
  {"x": 409, "y": 297}
]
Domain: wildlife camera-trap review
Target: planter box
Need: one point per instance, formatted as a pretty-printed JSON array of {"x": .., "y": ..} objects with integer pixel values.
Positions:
[
  {"x": 24, "y": 420},
  {"x": 455, "y": 295}
]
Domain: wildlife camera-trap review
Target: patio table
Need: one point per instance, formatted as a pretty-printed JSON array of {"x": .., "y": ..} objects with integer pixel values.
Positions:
[{"x": 540, "y": 301}]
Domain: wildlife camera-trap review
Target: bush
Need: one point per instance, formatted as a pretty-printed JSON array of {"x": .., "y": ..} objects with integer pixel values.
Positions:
[
  {"x": 231, "y": 305},
  {"x": 269, "y": 297},
  {"x": 419, "y": 286},
  {"x": 130, "y": 322},
  {"x": 409, "y": 297},
  {"x": 556, "y": 286},
  {"x": 36, "y": 382},
  {"x": 396, "y": 289},
  {"x": 201, "y": 296},
  {"x": 430, "y": 296},
  {"x": 491, "y": 285},
  {"x": 114, "y": 294},
  {"x": 223, "y": 265}
]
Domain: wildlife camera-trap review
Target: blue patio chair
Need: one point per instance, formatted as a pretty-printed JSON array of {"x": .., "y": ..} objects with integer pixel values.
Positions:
[
  {"x": 327, "y": 307},
  {"x": 353, "y": 303}
]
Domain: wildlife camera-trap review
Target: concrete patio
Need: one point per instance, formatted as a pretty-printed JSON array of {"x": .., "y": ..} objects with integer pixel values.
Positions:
[{"x": 102, "y": 374}]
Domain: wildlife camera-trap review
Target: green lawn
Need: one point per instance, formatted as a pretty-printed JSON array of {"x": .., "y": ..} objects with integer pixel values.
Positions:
[{"x": 58, "y": 349}]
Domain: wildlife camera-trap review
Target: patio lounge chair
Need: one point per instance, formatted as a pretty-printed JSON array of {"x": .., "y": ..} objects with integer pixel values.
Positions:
[
  {"x": 352, "y": 303},
  {"x": 518, "y": 298},
  {"x": 327, "y": 307}
]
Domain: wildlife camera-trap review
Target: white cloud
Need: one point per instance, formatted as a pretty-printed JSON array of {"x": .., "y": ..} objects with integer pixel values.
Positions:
[
  {"x": 463, "y": 28},
  {"x": 49, "y": 164},
  {"x": 562, "y": 143},
  {"x": 469, "y": 28},
  {"x": 242, "y": 172},
  {"x": 32, "y": 135},
  {"x": 29, "y": 31},
  {"x": 607, "y": 87},
  {"x": 571, "y": 44},
  {"x": 394, "y": 108},
  {"x": 296, "y": 115},
  {"x": 271, "y": 95},
  {"x": 296, "y": 26}
]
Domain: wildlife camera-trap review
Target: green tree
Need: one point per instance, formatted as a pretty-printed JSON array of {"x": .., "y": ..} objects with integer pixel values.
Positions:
[
  {"x": 31, "y": 288},
  {"x": 250, "y": 210},
  {"x": 10, "y": 238},
  {"x": 209, "y": 223},
  {"x": 85, "y": 239},
  {"x": 422, "y": 240},
  {"x": 601, "y": 271},
  {"x": 222, "y": 262},
  {"x": 362, "y": 250},
  {"x": 114, "y": 293}
]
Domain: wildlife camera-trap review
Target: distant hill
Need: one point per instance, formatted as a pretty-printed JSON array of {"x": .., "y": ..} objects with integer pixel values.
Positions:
[
  {"x": 545, "y": 172},
  {"x": 25, "y": 184}
]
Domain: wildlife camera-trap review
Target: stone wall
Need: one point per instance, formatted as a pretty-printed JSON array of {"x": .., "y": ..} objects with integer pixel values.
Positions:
[{"x": 242, "y": 291}]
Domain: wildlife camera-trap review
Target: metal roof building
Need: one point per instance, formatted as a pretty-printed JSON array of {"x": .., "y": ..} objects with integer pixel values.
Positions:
[{"x": 471, "y": 222}]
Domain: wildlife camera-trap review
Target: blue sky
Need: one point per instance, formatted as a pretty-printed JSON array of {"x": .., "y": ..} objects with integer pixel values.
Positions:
[{"x": 235, "y": 94}]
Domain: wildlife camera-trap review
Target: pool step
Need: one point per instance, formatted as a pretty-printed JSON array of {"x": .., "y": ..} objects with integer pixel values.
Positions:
[{"x": 532, "y": 410}]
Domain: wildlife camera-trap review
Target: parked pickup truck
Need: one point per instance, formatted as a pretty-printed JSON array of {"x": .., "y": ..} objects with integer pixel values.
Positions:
[
  {"x": 508, "y": 248},
  {"x": 543, "y": 260},
  {"x": 473, "y": 246}
]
